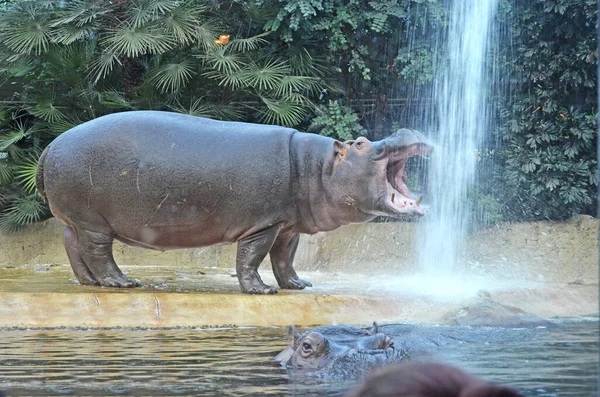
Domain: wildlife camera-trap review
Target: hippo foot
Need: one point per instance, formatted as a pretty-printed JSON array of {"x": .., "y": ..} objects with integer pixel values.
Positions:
[
  {"x": 119, "y": 282},
  {"x": 265, "y": 290},
  {"x": 295, "y": 283}
]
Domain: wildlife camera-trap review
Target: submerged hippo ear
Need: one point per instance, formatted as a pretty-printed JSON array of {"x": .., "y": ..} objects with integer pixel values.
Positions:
[
  {"x": 340, "y": 148},
  {"x": 293, "y": 336},
  {"x": 374, "y": 329}
]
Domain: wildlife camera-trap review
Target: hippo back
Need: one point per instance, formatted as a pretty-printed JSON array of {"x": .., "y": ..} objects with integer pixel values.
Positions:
[{"x": 169, "y": 175}]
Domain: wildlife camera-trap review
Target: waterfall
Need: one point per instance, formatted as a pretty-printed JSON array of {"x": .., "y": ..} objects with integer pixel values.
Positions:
[{"x": 460, "y": 93}]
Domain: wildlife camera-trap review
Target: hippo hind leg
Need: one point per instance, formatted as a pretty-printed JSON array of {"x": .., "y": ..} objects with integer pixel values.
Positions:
[
  {"x": 83, "y": 274},
  {"x": 251, "y": 251},
  {"x": 95, "y": 248},
  {"x": 282, "y": 256}
]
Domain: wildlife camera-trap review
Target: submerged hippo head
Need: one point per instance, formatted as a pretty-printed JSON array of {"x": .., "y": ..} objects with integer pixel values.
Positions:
[
  {"x": 323, "y": 347},
  {"x": 371, "y": 176}
]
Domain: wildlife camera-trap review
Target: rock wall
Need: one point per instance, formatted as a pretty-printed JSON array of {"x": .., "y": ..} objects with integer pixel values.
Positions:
[{"x": 565, "y": 252}]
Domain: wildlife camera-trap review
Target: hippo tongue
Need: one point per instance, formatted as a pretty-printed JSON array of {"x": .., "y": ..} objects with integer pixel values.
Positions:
[{"x": 397, "y": 178}]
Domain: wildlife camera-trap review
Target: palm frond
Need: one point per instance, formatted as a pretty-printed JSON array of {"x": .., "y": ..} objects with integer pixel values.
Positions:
[
  {"x": 290, "y": 85},
  {"x": 134, "y": 41},
  {"x": 69, "y": 34},
  {"x": 206, "y": 33},
  {"x": 182, "y": 22},
  {"x": 46, "y": 111},
  {"x": 6, "y": 171},
  {"x": 22, "y": 211},
  {"x": 145, "y": 11},
  {"x": 27, "y": 38},
  {"x": 82, "y": 13},
  {"x": 249, "y": 43},
  {"x": 101, "y": 66},
  {"x": 26, "y": 172},
  {"x": 172, "y": 76},
  {"x": 267, "y": 76},
  {"x": 9, "y": 138},
  {"x": 281, "y": 112},
  {"x": 201, "y": 108},
  {"x": 223, "y": 60},
  {"x": 63, "y": 125},
  {"x": 18, "y": 66},
  {"x": 115, "y": 100}
]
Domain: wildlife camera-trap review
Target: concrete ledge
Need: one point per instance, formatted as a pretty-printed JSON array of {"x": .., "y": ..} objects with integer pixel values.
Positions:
[
  {"x": 361, "y": 273},
  {"x": 167, "y": 310}
]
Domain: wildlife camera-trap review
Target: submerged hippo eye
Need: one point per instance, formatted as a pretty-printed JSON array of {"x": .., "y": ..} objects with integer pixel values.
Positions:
[{"x": 306, "y": 346}]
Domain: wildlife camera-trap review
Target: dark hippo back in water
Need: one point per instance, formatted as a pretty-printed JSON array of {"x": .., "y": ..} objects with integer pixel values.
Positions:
[{"x": 164, "y": 180}]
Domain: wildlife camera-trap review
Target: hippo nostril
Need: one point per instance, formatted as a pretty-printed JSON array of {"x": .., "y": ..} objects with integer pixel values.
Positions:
[{"x": 393, "y": 197}]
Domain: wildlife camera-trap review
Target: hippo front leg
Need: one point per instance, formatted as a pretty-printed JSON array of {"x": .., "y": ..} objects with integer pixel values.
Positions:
[
  {"x": 282, "y": 256},
  {"x": 251, "y": 251}
]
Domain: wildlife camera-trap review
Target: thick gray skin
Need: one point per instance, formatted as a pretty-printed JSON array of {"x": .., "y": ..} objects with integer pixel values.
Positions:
[
  {"x": 163, "y": 180},
  {"x": 338, "y": 351}
]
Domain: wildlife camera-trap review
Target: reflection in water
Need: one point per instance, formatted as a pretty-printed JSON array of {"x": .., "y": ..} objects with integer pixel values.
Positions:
[{"x": 235, "y": 362}]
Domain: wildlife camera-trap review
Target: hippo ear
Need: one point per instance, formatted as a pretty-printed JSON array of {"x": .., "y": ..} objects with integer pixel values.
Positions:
[
  {"x": 374, "y": 329},
  {"x": 293, "y": 336},
  {"x": 340, "y": 148}
]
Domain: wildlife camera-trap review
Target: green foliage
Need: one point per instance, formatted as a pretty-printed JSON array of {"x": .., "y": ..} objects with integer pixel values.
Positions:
[
  {"x": 78, "y": 60},
  {"x": 549, "y": 129},
  {"x": 377, "y": 46},
  {"x": 337, "y": 121}
]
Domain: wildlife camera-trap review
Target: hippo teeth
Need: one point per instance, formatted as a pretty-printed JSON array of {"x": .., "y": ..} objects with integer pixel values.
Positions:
[{"x": 419, "y": 200}]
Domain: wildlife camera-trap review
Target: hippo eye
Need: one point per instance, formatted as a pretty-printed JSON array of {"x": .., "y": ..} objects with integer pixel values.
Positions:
[
  {"x": 306, "y": 347},
  {"x": 359, "y": 144}
]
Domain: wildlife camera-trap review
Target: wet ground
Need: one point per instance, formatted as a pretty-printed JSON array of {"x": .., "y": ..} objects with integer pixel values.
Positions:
[{"x": 561, "y": 361}]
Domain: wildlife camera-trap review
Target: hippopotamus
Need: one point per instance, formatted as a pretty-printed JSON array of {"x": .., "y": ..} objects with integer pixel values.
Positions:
[
  {"x": 164, "y": 180},
  {"x": 338, "y": 351}
]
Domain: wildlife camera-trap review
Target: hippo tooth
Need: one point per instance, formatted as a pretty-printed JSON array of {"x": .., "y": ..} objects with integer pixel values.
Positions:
[{"x": 419, "y": 200}]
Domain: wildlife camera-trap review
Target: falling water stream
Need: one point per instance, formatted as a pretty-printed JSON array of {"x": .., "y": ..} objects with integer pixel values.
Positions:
[{"x": 461, "y": 122}]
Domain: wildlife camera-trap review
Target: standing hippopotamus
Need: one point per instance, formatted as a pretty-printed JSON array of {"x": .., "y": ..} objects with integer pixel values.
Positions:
[{"x": 164, "y": 180}]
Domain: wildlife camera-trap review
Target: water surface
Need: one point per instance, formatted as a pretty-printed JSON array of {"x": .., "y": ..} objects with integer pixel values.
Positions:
[{"x": 560, "y": 361}]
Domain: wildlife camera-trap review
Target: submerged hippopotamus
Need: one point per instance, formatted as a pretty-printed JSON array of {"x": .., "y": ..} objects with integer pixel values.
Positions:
[
  {"x": 164, "y": 180},
  {"x": 338, "y": 351}
]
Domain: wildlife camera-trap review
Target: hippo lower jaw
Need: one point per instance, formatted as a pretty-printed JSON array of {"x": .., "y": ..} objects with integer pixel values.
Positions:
[{"x": 397, "y": 198}]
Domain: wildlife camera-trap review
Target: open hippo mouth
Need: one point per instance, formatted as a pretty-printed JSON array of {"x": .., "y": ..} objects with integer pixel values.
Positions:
[{"x": 397, "y": 150}]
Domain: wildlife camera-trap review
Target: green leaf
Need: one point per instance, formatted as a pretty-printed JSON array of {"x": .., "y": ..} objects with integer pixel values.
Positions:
[
  {"x": 134, "y": 41},
  {"x": 21, "y": 212},
  {"x": 26, "y": 173},
  {"x": 172, "y": 77}
]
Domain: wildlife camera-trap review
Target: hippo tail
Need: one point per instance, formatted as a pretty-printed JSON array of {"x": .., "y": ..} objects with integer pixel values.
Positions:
[{"x": 39, "y": 174}]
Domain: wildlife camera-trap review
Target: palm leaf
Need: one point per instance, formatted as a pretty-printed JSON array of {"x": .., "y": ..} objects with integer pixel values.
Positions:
[
  {"x": 182, "y": 22},
  {"x": 81, "y": 13},
  {"x": 26, "y": 38},
  {"x": 267, "y": 76},
  {"x": 69, "y": 34},
  {"x": 6, "y": 171},
  {"x": 144, "y": 11},
  {"x": 134, "y": 41},
  {"x": 7, "y": 139},
  {"x": 172, "y": 76},
  {"x": 115, "y": 100},
  {"x": 281, "y": 112},
  {"x": 223, "y": 60},
  {"x": 46, "y": 111},
  {"x": 248, "y": 44},
  {"x": 101, "y": 66},
  {"x": 201, "y": 108},
  {"x": 290, "y": 85},
  {"x": 22, "y": 211},
  {"x": 26, "y": 173}
]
